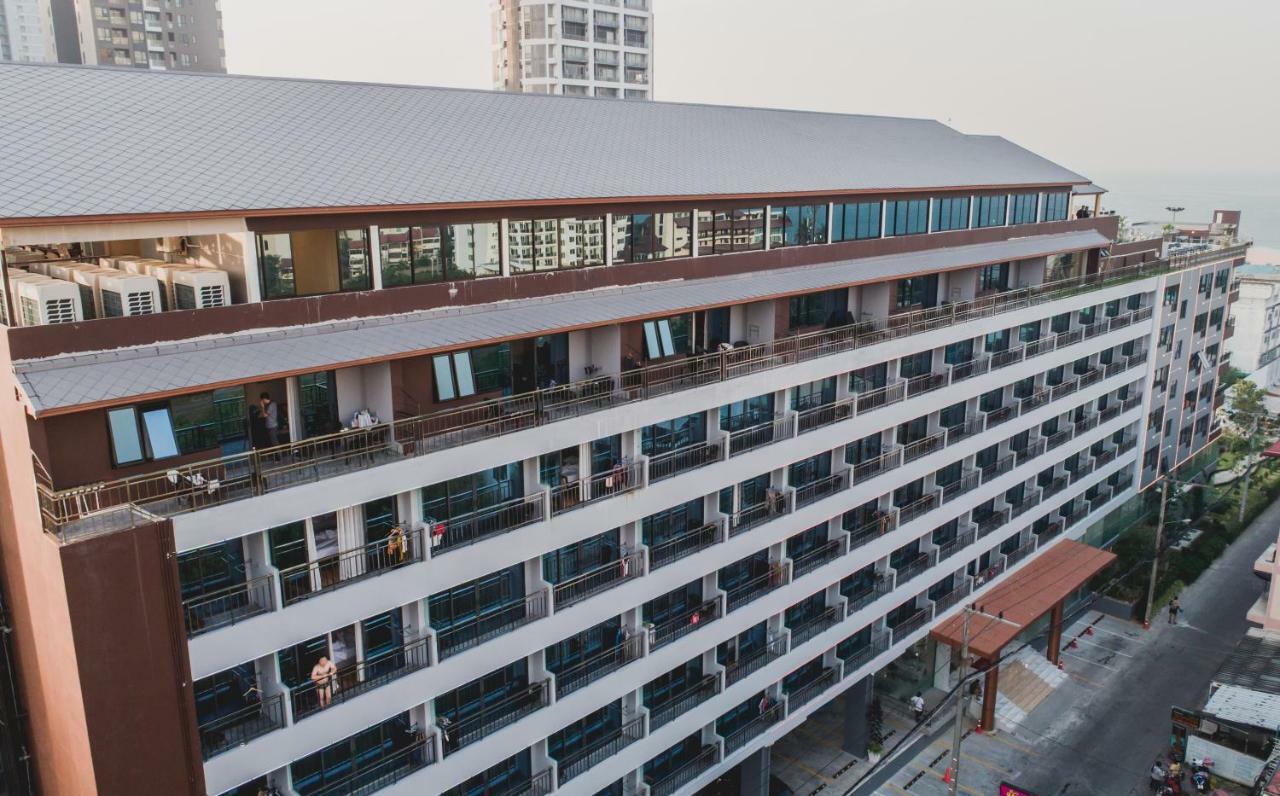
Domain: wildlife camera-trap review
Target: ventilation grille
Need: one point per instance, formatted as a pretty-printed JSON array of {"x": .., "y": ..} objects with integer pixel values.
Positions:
[
  {"x": 60, "y": 310},
  {"x": 141, "y": 303}
]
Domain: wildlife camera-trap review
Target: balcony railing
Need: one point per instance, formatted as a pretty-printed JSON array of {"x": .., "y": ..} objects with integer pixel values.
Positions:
[
  {"x": 598, "y": 579},
  {"x": 814, "y": 625},
  {"x": 602, "y": 749},
  {"x": 748, "y": 439},
  {"x": 826, "y": 415},
  {"x": 911, "y": 624},
  {"x": 236, "y": 477},
  {"x": 871, "y": 400},
  {"x": 915, "y": 566},
  {"x": 807, "y": 562},
  {"x": 967, "y": 482},
  {"x": 1055, "y": 486},
  {"x": 472, "y": 527},
  {"x": 1019, "y": 554},
  {"x": 860, "y": 657},
  {"x": 669, "y": 784},
  {"x": 925, "y": 382},
  {"x": 756, "y": 587},
  {"x": 685, "y": 544},
  {"x": 586, "y": 672},
  {"x": 988, "y": 523},
  {"x": 242, "y": 726},
  {"x": 962, "y": 540},
  {"x": 384, "y": 772},
  {"x": 334, "y": 572},
  {"x": 1028, "y": 502},
  {"x": 751, "y": 516},
  {"x": 665, "y": 465},
  {"x": 683, "y": 702},
  {"x": 816, "y": 490},
  {"x": 752, "y": 729},
  {"x": 918, "y": 507},
  {"x": 614, "y": 481},
  {"x": 491, "y": 622},
  {"x": 923, "y": 447},
  {"x": 870, "y": 531},
  {"x": 539, "y": 784},
  {"x": 967, "y": 370},
  {"x": 493, "y": 717},
  {"x": 753, "y": 661},
  {"x": 680, "y": 626},
  {"x": 952, "y": 597},
  {"x": 352, "y": 681},
  {"x": 1003, "y": 414},
  {"x": 805, "y": 693},
  {"x": 969, "y": 428},
  {"x": 229, "y": 605},
  {"x": 880, "y": 464}
]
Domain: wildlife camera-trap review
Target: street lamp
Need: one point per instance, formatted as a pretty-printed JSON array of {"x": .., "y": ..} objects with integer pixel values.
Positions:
[{"x": 1175, "y": 211}]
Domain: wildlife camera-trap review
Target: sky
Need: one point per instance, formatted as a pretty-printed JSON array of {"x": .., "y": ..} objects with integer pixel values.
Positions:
[{"x": 1136, "y": 94}]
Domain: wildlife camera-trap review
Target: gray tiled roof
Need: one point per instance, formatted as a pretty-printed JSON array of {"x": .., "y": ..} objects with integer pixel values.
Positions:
[
  {"x": 78, "y": 141},
  {"x": 125, "y": 374}
]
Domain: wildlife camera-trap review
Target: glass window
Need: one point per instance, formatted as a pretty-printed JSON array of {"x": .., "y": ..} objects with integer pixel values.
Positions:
[
  {"x": 453, "y": 375},
  {"x": 916, "y": 291},
  {"x": 666, "y": 337},
  {"x": 159, "y": 426},
  {"x": 858, "y": 221},
  {"x": 950, "y": 213},
  {"x": 872, "y": 377},
  {"x": 642, "y": 237},
  {"x": 994, "y": 277},
  {"x": 830, "y": 307},
  {"x": 670, "y": 435},
  {"x": 410, "y": 255},
  {"x": 1025, "y": 207},
  {"x": 314, "y": 262},
  {"x": 1055, "y": 206},
  {"x": 126, "y": 439},
  {"x": 989, "y": 211},
  {"x": 744, "y": 414},
  {"x": 549, "y": 244},
  {"x": 275, "y": 253},
  {"x": 906, "y": 217},
  {"x": 354, "y": 272},
  {"x": 814, "y": 393},
  {"x": 797, "y": 225},
  {"x": 724, "y": 231}
]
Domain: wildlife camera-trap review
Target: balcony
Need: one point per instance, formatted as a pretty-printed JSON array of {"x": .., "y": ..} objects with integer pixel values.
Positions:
[
  {"x": 671, "y": 463},
  {"x": 231, "y": 478},
  {"x": 923, "y": 447},
  {"x": 989, "y": 522},
  {"x": 684, "y": 701},
  {"x": 586, "y": 672},
  {"x": 821, "y": 488},
  {"x": 1022, "y": 552},
  {"x": 967, "y": 482},
  {"x": 969, "y": 428},
  {"x": 333, "y": 572},
  {"x": 815, "y": 625},
  {"x": 752, "y": 662},
  {"x": 808, "y": 562},
  {"x": 599, "y": 751},
  {"x": 475, "y": 526},
  {"x": 490, "y": 622},
  {"x": 385, "y": 772},
  {"x": 826, "y": 414},
  {"x": 753, "y": 729},
  {"x": 967, "y": 370},
  {"x": 870, "y": 531},
  {"x": 682, "y": 625},
  {"x": 352, "y": 681},
  {"x": 911, "y": 624},
  {"x": 1028, "y": 502},
  {"x": 884, "y": 584},
  {"x": 748, "y": 439},
  {"x": 242, "y": 726},
  {"x": 615, "y": 481},
  {"x": 597, "y": 579},
  {"x": 924, "y": 383},
  {"x": 879, "y": 643},
  {"x": 756, "y": 587},
  {"x": 918, "y": 507},
  {"x": 915, "y": 566},
  {"x": 953, "y": 597},
  {"x": 493, "y": 717},
  {"x": 686, "y": 544},
  {"x": 774, "y": 504},
  {"x": 226, "y": 606},
  {"x": 806, "y": 693},
  {"x": 1055, "y": 486},
  {"x": 669, "y": 784},
  {"x": 873, "y": 467},
  {"x": 967, "y": 536}
]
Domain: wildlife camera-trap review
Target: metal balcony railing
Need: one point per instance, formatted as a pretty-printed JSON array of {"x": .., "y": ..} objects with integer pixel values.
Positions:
[
  {"x": 1028, "y": 502},
  {"x": 806, "y": 693},
  {"x": 967, "y": 370},
  {"x": 967, "y": 536},
  {"x": 918, "y": 507},
  {"x": 915, "y": 566},
  {"x": 872, "y": 467},
  {"x": 820, "y": 488},
  {"x": 969, "y": 428},
  {"x": 352, "y": 681},
  {"x": 678, "y": 627},
  {"x": 602, "y": 749},
  {"x": 860, "y": 657},
  {"x": 493, "y": 716},
  {"x": 826, "y": 414},
  {"x": 240, "y": 476},
  {"x": 472, "y": 527},
  {"x": 803, "y": 631},
  {"x": 756, "y": 587},
  {"x": 989, "y": 522},
  {"x": 674, "y": 781},
  {"x": 1055, "y": 486},
  {"x": 334, "y": 572},
  {"x": 923, "y": 447},
  {"x": 952, "y": 597},
  {"x": 925, "y": 382},
  {"x": 748, "y": 439},
  {"x": 1019, "y": 554},
  {"x": 752, "y": 516},
  {"x": 238, "y": 728},
  {"x": 615, "y": 481},
  {"x": 597, "y": 579},
  {"x": 685, "y": 544},
  {"x": 875, "y": 528},
  {"x": 805, "y": 563},
  {"x": 1001, "y": 415},
  {"x": 747, "y": 664},
  {"x": 911, "y": 624},
  {"x": 226, "y": 606},
  {"x": 586, "y": 672},
  {"x": 681, "y": 703},
  {"x": 490, "y": 622},
  {"x": 753, "y": 729},
  {"x": 386, "y": 771},
  {"x": 871, "y": 400},
  {"x": 967, "y": 482},
  {"x": 665, "y": 465}
]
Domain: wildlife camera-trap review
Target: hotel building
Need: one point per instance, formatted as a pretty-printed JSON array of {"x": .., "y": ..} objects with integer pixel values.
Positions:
[{"x": 584, "y": 478}]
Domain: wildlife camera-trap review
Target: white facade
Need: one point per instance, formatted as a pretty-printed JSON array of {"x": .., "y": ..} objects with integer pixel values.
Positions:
[
  {"x": 1255, "y": 348},
  {"x": 26, "y": 31},
  {"x": 589, "y": 48}
]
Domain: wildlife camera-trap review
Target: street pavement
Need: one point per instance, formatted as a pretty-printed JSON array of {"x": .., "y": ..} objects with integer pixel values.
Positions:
[{"x": 1099, "y": 732}]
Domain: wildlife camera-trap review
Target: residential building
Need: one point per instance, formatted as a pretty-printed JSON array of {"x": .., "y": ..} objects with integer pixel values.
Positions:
[
  {"x": 582, "y": 48},
  {"x": 26, "y": 31},
  {"x": 1255, "y": 348},
  {"x": 185, "y": 35},
  {"x": 583, "y": 480}
]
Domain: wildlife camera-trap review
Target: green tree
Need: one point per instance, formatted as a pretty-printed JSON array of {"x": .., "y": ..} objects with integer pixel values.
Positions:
[{"x": 1251, "y": 426}]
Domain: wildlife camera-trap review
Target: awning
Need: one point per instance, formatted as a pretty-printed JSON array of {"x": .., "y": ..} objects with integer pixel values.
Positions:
[
  {"x": 1028, "y": 594},
  {"x": 1274, "y": 451},
  {"x": 1087, "y": 189}
]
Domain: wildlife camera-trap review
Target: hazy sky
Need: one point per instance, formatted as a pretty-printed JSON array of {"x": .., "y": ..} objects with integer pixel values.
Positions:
[{"x": 1098, "y": 85}]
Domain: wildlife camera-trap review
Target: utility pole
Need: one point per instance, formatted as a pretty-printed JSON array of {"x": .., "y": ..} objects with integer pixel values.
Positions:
[
  {"x": 962, "y": 706},
  {"x": 1155, "y": 559},
  {"x": 1248, "y": 466}
]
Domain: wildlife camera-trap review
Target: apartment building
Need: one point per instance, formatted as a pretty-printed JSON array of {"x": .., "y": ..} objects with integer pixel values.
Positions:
[
  {"x": 1255, "y": 349},
  {"x": 181, "y": 35},
  {"x": 490, "y": 473},
  {"x": 582, "y": 48},
  {"x": 26, "y": 31}
]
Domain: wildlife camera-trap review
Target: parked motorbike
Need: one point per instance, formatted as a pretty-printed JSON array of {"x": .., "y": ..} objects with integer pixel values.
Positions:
[{"x": 1201, "y": 771}]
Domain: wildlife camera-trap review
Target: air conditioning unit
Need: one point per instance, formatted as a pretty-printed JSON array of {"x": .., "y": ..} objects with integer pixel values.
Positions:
[
  {"x": 85, "y": 278},
  {"x": 163, "y": 273},
  {"x": 125, "y": 295},
  {"x": 41, "y": 300},
  {"x": 129, "y": 263},
  {"x": 200, "y": 288}
]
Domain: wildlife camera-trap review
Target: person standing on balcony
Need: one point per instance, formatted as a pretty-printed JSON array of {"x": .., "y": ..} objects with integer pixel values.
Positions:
[
  {"x": 270, "y": 419},
  {"x": 322, "y": 675}
]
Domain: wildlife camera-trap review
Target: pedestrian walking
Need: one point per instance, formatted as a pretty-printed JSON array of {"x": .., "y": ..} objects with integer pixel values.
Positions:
[
  {"x": 917, "y": 707},
  {"x": 1173, "y": 611}
]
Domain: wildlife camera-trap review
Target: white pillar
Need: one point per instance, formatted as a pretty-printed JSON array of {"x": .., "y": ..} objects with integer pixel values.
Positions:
[
  {"x": 375, "y": 257},
  {"x": 252, "y": 274}
]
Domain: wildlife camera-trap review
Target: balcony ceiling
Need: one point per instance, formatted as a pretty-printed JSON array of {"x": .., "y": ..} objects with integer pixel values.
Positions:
[
  {"x": 124, "y": 375},
  {"x": 141, "y": 142}
]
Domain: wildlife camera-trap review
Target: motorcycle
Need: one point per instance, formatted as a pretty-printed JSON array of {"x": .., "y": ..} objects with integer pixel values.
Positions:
[{"x": 1201, "y": 770}]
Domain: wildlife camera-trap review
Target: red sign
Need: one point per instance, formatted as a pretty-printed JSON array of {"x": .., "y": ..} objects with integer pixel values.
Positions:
[{"x": 1010, "y": 790}]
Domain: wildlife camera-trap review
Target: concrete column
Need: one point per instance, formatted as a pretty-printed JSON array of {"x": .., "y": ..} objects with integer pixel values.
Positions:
[
  {"x": 941, "y": 665},
  {"x": 855, "y": 701},
  {"x": 989, "y": 690},
  {"x": 755, "y": 773},
  {"x": 1055, "y": 633}
]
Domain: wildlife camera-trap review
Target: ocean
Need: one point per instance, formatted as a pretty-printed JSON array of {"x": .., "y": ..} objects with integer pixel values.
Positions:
[{"x": 1144, "y": 197}]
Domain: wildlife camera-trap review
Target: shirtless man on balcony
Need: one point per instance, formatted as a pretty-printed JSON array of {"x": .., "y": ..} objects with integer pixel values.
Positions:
[{"x": 322, "y": 675}]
